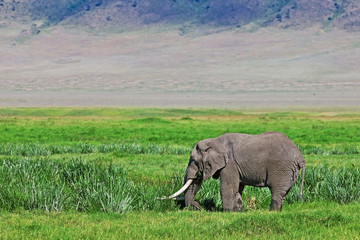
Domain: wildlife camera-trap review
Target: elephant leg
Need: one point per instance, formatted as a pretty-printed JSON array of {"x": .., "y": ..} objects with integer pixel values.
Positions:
[
  {"x": 230, "y": 196},
  {"x": 277, "y": 199},
  {"x": 229, "y": 189},
  {"x": 279, "y": 187}
]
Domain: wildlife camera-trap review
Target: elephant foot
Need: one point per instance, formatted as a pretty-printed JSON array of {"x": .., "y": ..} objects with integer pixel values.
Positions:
[
  {"x": 195, "y": 206},
  {"x": 275, "y": 205},
  {"x": 238, "y": 209},
  {"x": 238, "y": 203}
]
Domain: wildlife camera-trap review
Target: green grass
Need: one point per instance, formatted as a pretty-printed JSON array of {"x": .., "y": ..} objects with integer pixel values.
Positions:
[
  {"x": 50, "y": 186},
  {"x": 176, "y": 128},
  {"x": 40, "y": 184},
  {"x": 317, "y": 220},
  {"x": 96, "y": 173}
]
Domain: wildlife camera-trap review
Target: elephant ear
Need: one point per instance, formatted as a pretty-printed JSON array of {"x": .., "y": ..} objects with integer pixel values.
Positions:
[{"x": 214, "y": 157}]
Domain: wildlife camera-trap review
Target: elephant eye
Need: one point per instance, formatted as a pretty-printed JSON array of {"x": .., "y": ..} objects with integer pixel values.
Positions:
[{"x": 207, "y": 149}]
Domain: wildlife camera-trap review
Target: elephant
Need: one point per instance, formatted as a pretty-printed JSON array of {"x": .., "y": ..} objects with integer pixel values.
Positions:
[{"x": 269, "y": 159}]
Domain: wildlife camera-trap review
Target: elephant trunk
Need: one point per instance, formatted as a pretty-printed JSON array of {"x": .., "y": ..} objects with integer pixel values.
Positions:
[
  {"x": 191, "y": 174},
  {"x": 190, "y": 193},
  {"x": 190, "y": 187}
]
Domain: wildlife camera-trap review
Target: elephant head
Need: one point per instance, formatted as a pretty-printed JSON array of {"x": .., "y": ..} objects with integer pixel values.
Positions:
[{"x": 206, "y": 160}]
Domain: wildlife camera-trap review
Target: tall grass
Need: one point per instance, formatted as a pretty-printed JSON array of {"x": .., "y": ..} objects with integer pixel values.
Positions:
[
  {"x": 341, "y": 185},
  {"x": 76, "y": 185},
  {"x": 326, "y": 151},
  {"x": 81, "y": 186},
  {"x": 35, "y": 149}
]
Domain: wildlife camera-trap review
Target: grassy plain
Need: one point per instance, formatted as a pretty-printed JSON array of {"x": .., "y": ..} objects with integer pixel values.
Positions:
[
  {"x": 95, "y": 173},
  {"x": 308, "y": 221}
]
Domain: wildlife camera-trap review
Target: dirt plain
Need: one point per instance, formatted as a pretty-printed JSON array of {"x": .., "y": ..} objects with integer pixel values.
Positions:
[{"x": 177, "y": 67}]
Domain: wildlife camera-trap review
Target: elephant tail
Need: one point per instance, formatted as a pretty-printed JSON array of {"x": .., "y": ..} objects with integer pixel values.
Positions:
[{"x": 302, "y": 182}]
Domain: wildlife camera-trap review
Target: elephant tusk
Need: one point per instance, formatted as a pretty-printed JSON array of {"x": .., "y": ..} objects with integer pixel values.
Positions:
[{"x": 186, "y": 185}]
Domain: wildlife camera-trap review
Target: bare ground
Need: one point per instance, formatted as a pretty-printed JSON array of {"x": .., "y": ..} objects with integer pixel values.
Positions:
[{"x": 167, "y": 68}]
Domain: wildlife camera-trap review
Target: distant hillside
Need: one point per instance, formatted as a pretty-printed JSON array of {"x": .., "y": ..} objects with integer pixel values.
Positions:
[{"x": 111, "y": 13}]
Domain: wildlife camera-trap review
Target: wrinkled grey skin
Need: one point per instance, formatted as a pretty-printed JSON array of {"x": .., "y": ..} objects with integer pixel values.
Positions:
[{"x": 268, "y": 160}]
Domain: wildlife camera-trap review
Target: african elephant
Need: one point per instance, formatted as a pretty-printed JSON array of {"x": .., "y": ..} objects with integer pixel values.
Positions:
[{"x": 270, "y": 160}]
